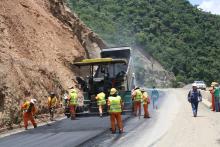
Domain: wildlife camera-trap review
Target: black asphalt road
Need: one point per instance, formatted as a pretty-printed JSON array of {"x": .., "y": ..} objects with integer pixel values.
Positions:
[
  {"x": 64, "y": 133},
  {"x": 87, "y": 131},
  {"x": 140, "y": 132}
]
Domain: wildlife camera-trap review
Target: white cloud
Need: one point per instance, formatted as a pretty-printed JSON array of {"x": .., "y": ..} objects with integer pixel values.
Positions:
[{"x": 212, "y": 6}]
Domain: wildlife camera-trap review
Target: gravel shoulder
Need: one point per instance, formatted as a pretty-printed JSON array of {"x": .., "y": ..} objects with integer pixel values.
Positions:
[{"x": 203, "y": 131}]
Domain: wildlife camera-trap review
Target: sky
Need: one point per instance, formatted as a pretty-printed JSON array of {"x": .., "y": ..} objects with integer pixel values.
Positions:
[{"x": 212, "y": 6}]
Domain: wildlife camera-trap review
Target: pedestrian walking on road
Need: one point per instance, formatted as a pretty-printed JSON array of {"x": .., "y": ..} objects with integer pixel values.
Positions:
[
  {"x": 155, "y": 97},
  {"x": 146, "y": 102},
  {"x": 115, "y": 105},
  {"x": 194, "y": 97},
  {"x": 137, "y": 98},
  {"x": 52, "y": 103},
  {"x": 217, "y": 97},
  {"x": 101, "y": 102},
  {"x": 73, "y": 102},
  {"x": 29, "y": 111}
]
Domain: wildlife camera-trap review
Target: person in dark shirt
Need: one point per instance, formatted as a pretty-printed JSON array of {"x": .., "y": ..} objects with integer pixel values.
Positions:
[{"x": 194, "y": 97}]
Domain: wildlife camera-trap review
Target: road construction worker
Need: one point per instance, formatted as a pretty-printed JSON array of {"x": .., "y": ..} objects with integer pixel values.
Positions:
[
  {"x": 65, "y": 99},
  {"x": 101, "y": 102},
  {"x": 115, "y": 108},
  {"x": 52, "y": 103},
  {"x": 66, "y": 104},
  {"x": 194, "y": 97},
  {"x": 212, "y": 90},
  {"x": 137, "y": 98},
  {"x": 73, "y": 102},
  {"x": 146, "y": 102},
  {"x": 155, "y": 97},
  {"x": 29, "y": 111},
  {"x": 217, "y": 97}
]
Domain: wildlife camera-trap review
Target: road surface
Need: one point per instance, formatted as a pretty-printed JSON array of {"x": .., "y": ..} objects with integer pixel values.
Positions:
[
  {"x": 172, "y": 125},
  {"x": 65, "y": 133}
]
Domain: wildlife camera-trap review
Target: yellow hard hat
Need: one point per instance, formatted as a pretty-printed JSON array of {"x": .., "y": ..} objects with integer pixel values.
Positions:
[
  {"x": 214, "y": 83},
  {"x": 113, "y": 91},
  {"x": 73, "y": 91}
]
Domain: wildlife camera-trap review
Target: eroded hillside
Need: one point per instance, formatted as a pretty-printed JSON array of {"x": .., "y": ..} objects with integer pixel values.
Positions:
[{"x": 39, "y": 41}]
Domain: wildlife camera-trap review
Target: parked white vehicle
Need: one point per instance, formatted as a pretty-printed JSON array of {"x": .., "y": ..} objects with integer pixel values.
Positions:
[{"x": 200, "y": 84}]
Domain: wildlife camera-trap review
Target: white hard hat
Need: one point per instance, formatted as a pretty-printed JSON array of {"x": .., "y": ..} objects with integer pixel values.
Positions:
[
  {"x": 33, "y": 101},
  {"x": 194, "y": 85}
]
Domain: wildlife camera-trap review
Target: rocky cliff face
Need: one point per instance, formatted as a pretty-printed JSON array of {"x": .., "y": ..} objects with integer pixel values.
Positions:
[
  {"x": 149, "y": 72},
  {"x": 39, "y": 41}
]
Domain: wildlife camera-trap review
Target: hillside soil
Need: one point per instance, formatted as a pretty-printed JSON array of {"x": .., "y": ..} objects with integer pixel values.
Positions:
[{"x": 39, "y": 41}]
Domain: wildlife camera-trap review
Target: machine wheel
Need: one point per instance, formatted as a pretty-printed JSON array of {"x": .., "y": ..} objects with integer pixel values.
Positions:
[{"x": 68, "y": 115}]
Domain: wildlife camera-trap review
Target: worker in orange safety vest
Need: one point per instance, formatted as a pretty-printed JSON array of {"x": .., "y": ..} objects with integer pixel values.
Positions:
[{"x": 29, "y": 111}]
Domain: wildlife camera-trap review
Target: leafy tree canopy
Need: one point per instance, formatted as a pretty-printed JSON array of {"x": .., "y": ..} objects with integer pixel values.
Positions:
[{"x": 181, "y": 37}]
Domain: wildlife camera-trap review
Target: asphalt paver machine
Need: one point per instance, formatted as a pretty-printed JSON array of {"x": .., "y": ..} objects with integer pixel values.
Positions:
[{"x": 113, "y": 69}]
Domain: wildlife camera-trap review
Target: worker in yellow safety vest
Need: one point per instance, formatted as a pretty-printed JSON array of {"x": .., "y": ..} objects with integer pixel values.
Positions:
[
  {"x": 101, "y": 102},
  {"x": 52, "y": 103},
  {"x": 146, "y": 102},
  {"x": 115, "y": 108},
  {"x": 73, "y": 102},
  {"x": 29, "y": 111},
  {"x": 137, "y": 98}
]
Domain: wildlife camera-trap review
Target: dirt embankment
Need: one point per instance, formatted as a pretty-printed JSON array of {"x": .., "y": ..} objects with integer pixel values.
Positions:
[{"x": 39, "y": 41}]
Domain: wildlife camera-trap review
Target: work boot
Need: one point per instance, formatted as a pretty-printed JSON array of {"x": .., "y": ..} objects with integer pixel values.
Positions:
[{"x": 120, "y": 131}]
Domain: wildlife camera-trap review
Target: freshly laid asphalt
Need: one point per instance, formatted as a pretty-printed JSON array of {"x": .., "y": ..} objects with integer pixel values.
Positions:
[
  {"x": 64, "y": 133},
  {"x": 69, "y": 133}
]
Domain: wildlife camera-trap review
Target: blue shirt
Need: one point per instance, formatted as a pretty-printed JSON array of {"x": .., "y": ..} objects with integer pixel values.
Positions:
[
  {"x": 154, "y": 94},
  {"x": 194, "y": 96}
]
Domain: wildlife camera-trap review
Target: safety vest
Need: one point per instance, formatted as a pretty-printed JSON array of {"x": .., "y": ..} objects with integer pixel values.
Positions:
[
  {"x": 138, "y": 96},
  {"x": 27, "y": 108},
  {"x": 115, "y": 104},
  {"x": 101, "y": 98},
  {"x": 145, "y": 98},
  {"x": 52, "y": 101},
  {"x": 73, "y": 98}
]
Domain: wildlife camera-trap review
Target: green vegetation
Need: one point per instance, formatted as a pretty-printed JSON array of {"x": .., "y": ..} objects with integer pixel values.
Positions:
[{"x": 182, "y": 38}]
